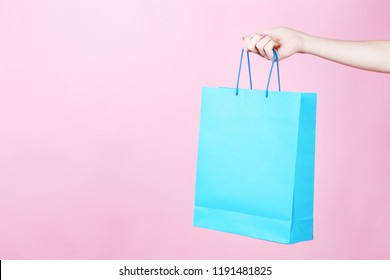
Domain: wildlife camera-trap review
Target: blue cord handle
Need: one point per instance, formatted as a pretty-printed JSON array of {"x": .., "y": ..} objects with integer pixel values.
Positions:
[
  {"x": 239, "y": 70},
  {"x": 274, "y": 58}
]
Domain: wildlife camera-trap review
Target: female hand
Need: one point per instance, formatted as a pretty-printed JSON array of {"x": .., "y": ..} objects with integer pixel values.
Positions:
[
  {"x": 367, "y": 55},
  {"x": 285, "y": 41}
]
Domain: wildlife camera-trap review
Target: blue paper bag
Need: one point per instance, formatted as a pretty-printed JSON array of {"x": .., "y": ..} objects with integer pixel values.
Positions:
[{"x": 255, "y": 168}]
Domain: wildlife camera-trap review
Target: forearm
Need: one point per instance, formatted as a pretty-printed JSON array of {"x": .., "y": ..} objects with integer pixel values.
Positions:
[{"x": 368, "y": 55}]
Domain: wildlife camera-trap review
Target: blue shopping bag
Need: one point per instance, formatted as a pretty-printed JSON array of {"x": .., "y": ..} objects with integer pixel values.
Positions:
[{"x": 255, "y": 168}]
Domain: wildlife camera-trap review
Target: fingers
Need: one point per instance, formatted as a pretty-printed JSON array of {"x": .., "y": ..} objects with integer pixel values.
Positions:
[
  {"x": 253, "y": 41},
  {"x": 260, "y": 44},
  {"x": 265, "y": 46},
  {"x": 246, "y": 40}
]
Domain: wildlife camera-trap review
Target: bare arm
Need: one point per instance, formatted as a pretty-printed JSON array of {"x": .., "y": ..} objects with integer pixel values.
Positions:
[{"x": 367, "y": 55}]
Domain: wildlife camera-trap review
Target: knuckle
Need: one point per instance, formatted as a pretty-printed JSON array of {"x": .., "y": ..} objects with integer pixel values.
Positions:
[
  {"x": 269, "y": 46},
  {"x": 251, "y": 47},
  {"x": 266, "y": 37},
  {"x": 262, "y": 52}
]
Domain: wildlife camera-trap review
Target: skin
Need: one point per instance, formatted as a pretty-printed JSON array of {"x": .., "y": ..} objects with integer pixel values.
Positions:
[{"x": 366, "y": 55}]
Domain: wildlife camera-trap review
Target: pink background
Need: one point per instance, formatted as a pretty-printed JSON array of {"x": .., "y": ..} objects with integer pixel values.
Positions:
[{"x": 99, "y": 119}]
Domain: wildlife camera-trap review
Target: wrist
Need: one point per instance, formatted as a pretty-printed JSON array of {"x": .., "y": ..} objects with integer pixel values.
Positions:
[{"x": 305, "y": 42}]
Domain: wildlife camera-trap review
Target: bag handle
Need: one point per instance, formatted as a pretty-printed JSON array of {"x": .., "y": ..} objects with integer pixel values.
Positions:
[
  {"x": 274, "y": 58},
  {"x": 239, "y": 70}
]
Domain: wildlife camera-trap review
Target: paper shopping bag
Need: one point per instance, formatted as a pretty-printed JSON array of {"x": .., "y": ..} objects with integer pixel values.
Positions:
[{"x": 255, "y": 167}]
